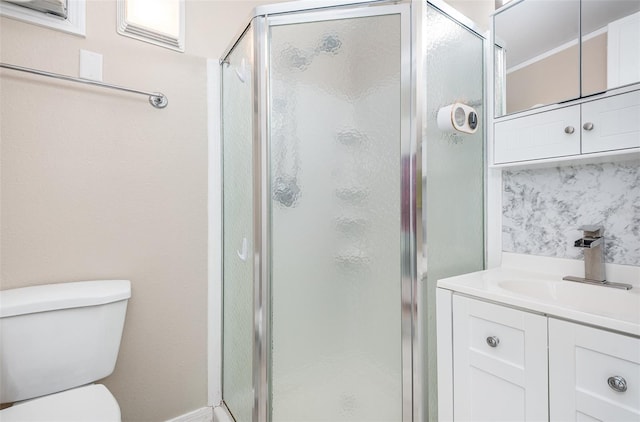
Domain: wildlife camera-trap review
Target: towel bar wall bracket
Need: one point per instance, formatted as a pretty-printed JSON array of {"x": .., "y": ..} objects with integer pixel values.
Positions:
[{"x": 156, "y": 99}]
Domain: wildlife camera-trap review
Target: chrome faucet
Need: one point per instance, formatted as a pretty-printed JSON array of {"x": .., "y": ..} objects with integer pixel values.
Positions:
[{"x": 592, "y": 241}]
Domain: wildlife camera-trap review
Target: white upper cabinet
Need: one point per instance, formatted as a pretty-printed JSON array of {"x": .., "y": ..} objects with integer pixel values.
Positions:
[
  {"x": 566, "y": 80},
  {"x": 552, "y": 52},
  {"x": 603, "y": 125}
]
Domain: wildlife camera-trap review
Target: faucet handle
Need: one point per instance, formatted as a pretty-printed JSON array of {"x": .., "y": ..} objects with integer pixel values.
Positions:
[{"x": 592, "y": 230}]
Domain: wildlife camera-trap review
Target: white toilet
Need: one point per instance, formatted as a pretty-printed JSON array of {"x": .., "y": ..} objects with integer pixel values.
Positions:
[{"x": 55, "y": 341}]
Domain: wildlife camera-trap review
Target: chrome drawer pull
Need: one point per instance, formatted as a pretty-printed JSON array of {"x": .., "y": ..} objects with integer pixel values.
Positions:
[
  {"x": 617, "y": 383},
  {"x": 588, "y": 126},
  {"x": 493, "y": 341},
  {"x": 569, "y": 130}
]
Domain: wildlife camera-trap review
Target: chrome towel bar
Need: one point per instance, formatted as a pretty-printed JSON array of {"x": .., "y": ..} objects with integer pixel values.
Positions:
[{"x": 156, "y": 99}]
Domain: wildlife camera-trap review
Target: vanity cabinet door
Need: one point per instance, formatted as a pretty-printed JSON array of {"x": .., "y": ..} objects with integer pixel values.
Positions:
[
  {"x": 500, "y": 363},
  {"x": 583, "y": 361},
  {"x": 544, "y": 135},
  {"x": 611, "y": 123}
]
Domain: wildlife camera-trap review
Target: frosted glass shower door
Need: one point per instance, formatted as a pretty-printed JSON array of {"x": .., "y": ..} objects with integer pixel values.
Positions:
[
  {"x": 237, "y": 120},
  {"x": 453, "y": 168},
  {"x": 336, "y": 128}
]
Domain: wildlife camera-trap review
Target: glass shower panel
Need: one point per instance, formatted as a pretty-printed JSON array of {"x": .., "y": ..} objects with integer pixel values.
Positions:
[
  {"x": 336, "y": 220},
  {"x": 237, "y": 118},
  {"x": 454, "y": 170}
]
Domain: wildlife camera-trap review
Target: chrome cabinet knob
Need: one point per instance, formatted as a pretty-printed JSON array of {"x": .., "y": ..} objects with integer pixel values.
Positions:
[
  {"x": 569, "y": 130},
  {"x": 493, "y": 341},
  {"x": 617, "y": 383},
  {"x": 587, "y": 126}
]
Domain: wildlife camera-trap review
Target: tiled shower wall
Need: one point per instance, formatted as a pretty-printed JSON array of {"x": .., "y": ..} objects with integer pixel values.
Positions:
[{"x": 543, "y": 208}]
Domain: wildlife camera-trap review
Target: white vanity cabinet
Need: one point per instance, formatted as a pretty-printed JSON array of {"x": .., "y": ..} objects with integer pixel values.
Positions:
[
  {"x": 499, "y": 361},
  {"x": 593, "y": 374},
  {"x": 605, "y": 124}
]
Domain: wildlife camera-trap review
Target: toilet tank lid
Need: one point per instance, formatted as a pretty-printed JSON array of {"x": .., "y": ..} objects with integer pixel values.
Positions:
[{"x": 50, "y": 297}]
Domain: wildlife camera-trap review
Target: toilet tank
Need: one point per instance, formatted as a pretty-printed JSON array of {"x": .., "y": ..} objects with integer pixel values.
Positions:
[{"x": 58, "y": 336}]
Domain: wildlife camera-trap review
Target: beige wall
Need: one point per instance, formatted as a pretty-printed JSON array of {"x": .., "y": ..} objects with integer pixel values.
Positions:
[
  {"x": 478, "y": 11},
  {"x": 97, "y": 184},
  {"x": 556, "y": 78},
  {"x": 594, "y": 65}
]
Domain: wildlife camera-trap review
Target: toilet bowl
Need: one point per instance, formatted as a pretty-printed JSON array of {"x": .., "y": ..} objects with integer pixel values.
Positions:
[
  {"x": 57, "y": 339},
  {"x": 89, "y": 403}
]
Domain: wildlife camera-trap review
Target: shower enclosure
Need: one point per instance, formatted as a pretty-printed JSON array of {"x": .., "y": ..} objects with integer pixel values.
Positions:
[{"x": 343, "y": 204}]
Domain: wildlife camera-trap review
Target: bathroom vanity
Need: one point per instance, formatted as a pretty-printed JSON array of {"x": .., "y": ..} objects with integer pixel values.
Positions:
[{"x": 519, "y": 343}]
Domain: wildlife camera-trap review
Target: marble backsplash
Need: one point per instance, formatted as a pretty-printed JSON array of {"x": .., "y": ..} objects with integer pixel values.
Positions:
[{"x": 543, "y": 208}]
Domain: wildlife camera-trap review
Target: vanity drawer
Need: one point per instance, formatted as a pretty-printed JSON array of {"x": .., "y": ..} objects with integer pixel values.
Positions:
[
  {"x": 582, "y": 360},
  {"x": 595, "y": 367},
  {"x": 500, "y": 361},
  {"x": 492, "y": 334}
]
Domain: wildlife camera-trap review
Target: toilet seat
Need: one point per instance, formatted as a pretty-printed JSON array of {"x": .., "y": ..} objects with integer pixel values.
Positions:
[{"x": 89, "y": 403}]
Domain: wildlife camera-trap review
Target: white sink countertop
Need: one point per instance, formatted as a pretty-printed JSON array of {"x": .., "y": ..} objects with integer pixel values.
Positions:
[{"x": 535, "y": 283}]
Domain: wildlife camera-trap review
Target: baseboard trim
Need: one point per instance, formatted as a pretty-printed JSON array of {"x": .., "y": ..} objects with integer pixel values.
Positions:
[
  {"x": 204, "y": 414},
  {"x": 221, "y": 414}
]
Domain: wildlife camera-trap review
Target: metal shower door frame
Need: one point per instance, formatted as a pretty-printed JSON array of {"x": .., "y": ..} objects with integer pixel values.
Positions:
[
  {"x": 262, "y": 193},
  {"x": 422, "y": 391}
]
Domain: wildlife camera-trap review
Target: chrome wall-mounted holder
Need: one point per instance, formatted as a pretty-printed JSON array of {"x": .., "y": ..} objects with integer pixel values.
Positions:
[
  {"x": 592, "y": 241},
  {"x": 156, "y": 99}
]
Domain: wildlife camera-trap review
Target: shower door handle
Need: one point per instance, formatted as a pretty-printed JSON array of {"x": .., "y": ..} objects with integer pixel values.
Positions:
[{"x": 242, "y": 253}]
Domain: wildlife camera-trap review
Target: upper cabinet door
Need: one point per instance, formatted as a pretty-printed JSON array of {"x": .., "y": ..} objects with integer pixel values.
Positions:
[
  {"x": 611, "y": 123},
  {"x": 542, "y": 135},
  {"x": 537, "y": 54},
  {"x": 610, "y": 52}
]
